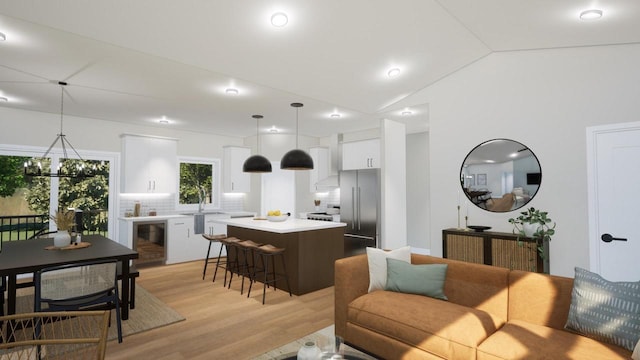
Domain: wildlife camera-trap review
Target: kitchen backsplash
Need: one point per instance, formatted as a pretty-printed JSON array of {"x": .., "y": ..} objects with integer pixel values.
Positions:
[
  {"x": 165, "y": 204},
  {"x": 332, "y": 197}
]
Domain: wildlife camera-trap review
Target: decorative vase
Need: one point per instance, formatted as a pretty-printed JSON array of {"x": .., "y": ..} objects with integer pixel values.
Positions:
[
  {"x": 62, "y": 239},
  {"x": 530, "y": 229},
  {"x": 309, "y": 351}
]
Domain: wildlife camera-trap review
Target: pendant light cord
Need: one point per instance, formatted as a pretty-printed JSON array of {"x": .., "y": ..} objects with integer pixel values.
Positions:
[{"x": 297, "y": 109}]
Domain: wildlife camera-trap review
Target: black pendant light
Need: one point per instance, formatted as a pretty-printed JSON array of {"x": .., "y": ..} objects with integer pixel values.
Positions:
[
  {"x": 296, "y": 159},
  {"x": 257, "y": 163}
]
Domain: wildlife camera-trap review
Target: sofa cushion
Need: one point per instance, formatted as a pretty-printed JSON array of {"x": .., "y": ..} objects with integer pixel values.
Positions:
[
  {"x": 427, "y": 279},
  {"x": 522, "y": 340},
  {"x": 439, "y": 327},
  {"x": 377, "y": 260},
  {"x": 605, "y": 310}
]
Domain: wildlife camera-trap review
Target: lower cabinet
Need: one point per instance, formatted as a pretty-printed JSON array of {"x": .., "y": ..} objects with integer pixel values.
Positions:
[{"x": 182, "y": 244}]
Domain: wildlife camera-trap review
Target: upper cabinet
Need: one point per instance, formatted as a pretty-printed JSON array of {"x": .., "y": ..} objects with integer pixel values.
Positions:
[
  {"x": 363, "y": 154},
  {"x": 321, "y": 166},
  {"x": 233, "y": 178},
  {"x": 149, "y": 165}
]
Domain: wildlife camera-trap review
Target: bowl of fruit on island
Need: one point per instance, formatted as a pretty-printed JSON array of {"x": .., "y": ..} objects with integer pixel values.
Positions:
[{"x": 276, "y": 216}]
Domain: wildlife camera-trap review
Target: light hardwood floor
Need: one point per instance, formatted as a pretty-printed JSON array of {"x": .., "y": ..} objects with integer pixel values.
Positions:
[{"x": 220, "y": 323}]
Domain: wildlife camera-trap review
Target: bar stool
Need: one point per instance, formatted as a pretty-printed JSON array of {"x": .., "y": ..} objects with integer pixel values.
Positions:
[
  {"x": 231, "y": 264},
  {"x": 246, "y": 248},
  {"x": 212, "y": 239},
  {"x": 266, "y": 252}
]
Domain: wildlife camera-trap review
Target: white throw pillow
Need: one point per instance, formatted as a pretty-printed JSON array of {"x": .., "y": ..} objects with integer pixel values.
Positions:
[
  {"x": 636, "y": 352},
  {"x": 377, "y": 259}
]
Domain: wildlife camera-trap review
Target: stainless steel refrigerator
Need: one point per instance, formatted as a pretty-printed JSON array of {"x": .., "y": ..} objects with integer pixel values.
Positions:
[{"x": 359, "y": 208}]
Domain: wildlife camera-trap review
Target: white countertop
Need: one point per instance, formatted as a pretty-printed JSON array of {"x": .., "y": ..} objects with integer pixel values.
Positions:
[
  {"x": 152, "y": 218},
  {"x": 288, "y": 226}
]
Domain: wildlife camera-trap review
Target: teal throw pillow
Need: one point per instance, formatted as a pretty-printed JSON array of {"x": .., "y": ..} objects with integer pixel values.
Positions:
[
  {"x": 424, "y": 279},
  {"x": 605, "y": 310}
]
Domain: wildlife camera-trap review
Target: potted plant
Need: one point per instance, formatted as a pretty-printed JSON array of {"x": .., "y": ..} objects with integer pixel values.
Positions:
[
  {"x": 65, "y": 221},
  {"x": 537, "y": 225}
]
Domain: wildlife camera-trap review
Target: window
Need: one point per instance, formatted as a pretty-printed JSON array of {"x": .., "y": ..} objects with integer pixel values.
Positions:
[
  {"x": 199, "y": 182},
  {"x": 25, "y": 197}
]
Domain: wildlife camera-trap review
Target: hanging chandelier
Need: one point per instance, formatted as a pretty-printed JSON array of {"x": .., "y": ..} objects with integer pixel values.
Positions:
[
  {"x": 257, "y": 163},
  {"x": 296, "y": 159},
  {"x": 33, "y": 167}
]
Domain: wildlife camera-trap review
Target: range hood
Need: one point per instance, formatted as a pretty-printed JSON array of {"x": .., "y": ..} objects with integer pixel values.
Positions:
[{"x": 329, "y": 182}]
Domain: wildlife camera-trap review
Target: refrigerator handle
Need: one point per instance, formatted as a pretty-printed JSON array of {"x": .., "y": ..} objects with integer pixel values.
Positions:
[
  {"x": 359, "y": 208},
  {"x": 353, "y": 207}
]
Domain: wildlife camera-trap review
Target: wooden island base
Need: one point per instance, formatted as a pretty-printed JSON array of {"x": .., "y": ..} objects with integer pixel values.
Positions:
[{"x": 309, "y": 255}]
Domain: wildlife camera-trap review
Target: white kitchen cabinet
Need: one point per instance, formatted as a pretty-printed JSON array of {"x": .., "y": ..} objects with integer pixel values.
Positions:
[
  {"x": 363, "y": 154},
  {"x": 182, "y": 244},
  {"x": 149, "y": 164},
  {"x": 234, "y": 180},
  {"x": 321, "y": 166}
]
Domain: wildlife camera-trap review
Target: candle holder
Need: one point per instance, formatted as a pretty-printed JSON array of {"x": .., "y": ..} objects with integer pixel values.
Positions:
[
  {"x": 459, "y": 228},
  {"x": 466, "y": 223}
]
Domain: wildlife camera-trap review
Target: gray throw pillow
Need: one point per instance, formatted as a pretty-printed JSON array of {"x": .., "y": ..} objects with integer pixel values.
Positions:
[
  {"x": 605, "y": 310},
  {"x": 427, "y": 279}
]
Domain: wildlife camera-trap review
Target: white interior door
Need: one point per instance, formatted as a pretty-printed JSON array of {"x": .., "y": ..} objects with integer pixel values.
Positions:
[
  {"x": 613, "y": 154},
  {"x": 278, "y": 190}
]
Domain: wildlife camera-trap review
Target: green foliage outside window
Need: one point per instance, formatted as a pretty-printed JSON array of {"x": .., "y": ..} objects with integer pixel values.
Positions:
[{"x": 195, "y": 178}]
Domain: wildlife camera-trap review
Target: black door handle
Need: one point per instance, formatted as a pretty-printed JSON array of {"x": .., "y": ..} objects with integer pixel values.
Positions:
[{"x": 608, "y": 238}]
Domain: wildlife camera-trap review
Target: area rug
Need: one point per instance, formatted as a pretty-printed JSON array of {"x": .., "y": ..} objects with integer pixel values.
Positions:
[
  {"x": 150, "y": 312},
  {"x": 324, "y": 339}
]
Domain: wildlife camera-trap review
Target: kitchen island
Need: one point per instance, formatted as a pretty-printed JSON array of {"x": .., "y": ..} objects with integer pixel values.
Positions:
[{"x": 311, "y": 246}]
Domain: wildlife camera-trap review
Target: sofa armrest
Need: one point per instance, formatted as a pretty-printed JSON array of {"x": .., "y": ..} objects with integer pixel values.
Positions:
[{"x": 351, "y": 282}]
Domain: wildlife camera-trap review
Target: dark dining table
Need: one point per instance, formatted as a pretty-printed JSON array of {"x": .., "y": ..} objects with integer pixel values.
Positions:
[{"x": 28, "y": 256}]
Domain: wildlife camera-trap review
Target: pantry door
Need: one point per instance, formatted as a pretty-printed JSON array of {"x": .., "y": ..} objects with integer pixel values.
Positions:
[{"x": 613, "y": 171}]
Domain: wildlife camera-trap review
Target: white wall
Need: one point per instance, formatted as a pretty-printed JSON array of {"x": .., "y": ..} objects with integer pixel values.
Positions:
[
  {"x": 393, "y": 218},
  {"x": 418, "y": 209},
  {"x": 544, "y": 99}
]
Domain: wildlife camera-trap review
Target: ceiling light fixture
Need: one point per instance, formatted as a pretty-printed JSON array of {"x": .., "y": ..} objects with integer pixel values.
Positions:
[
  {"x": 3, "y": 37},
  {"x": 591, "y": 14},
  {"x": 335, "y": 116},
  {"x": 257, "y": 163},
  {"x": 231, "y": 91},
  {"x": 3, "y": 99},
  {"x": 296, "y": 159},
  {"x": 407, "y": 113},
  {"x": 164, "y": 120},
  {"x": 273, "y": 129},
  {"x": 31, "y": 168},
  {"x": 393, "y": 72},
  {"x": 279, "y": 19}
]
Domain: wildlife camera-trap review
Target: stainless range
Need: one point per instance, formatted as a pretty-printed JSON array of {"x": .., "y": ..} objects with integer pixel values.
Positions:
[{"x": 323, "y": 216}]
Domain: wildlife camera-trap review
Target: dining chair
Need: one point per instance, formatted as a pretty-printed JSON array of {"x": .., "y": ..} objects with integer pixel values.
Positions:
[
  {"x": 62, "y": 335},
  {"x": 81, "y": 286}
]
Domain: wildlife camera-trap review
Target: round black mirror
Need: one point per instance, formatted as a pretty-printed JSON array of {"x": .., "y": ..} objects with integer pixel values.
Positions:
[{"x": 500, "y": 175}]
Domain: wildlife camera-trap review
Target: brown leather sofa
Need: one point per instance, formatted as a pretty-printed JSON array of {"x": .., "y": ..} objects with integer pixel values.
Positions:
[{"x": 491, "y": 313}]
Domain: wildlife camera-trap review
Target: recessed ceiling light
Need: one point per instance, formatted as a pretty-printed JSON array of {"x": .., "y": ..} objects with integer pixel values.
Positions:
[
  {"x": 335, "y": 116},
  {"x": 393, "y": 72},
  {"x": 407, "y": 113},
  {"x": 164, "y": 120},
  {"x": 3, "y": 37},
  {"x": 279, "y": 19},
  {"x": 591, "y": 14},
  {"x": 231, "y": 91},
  {"x": 3, "y": 99},
  {"x": 273, "y": 129}
]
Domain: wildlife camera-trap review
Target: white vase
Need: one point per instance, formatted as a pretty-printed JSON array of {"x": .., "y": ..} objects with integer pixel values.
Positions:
[
  {"x": 309, "y": 351},
  {"x": 61, "y": 238},
  {"x": 530, "y": 229}
]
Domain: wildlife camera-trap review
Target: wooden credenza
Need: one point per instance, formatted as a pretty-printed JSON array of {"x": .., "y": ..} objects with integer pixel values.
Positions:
[{"x": 494, "y": 248}]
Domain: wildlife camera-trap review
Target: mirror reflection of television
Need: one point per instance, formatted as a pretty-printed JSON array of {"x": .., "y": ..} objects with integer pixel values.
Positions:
[{"x": 533, "y": 178}]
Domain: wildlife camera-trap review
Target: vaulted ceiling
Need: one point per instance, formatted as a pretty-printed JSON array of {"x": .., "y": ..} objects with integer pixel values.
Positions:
[{"x": 137, "y": 61}]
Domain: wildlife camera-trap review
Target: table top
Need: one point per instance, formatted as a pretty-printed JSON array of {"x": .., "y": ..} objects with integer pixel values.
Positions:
[
  {"x": 23, "y": 256},
  {"x": 290, "y": 225}
]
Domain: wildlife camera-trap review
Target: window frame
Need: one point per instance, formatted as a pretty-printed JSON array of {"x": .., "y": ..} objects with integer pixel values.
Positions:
[{"x": 216, "y": 180}]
